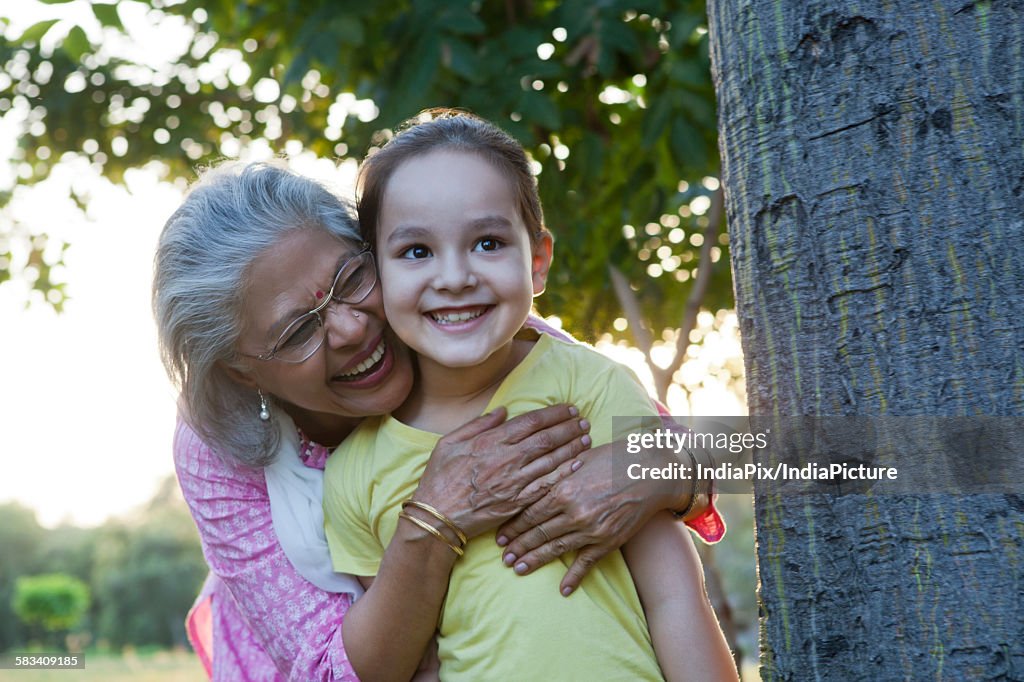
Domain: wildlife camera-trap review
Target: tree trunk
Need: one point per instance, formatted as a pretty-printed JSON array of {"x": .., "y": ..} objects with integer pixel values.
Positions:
[{"x": 874, "y": 175}]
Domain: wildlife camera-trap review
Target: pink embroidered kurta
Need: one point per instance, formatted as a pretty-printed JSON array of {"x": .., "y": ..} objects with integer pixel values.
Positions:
[{"x": 265, "y": 621}]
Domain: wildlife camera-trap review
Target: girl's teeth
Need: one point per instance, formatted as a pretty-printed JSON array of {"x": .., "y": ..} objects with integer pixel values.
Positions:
[
  {"x": 451, "y": 318},
  {"x": 369, "y": 362}
]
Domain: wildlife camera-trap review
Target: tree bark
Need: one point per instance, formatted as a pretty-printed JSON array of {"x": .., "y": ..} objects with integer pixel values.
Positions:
[{"x": 873, "y": 162}]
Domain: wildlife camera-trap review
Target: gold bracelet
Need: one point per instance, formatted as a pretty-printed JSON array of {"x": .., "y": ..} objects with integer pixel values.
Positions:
[
  {"x": 439, "y": 516},
  {"x": 704, "y": 486},
  {"x": 430, "y": 529},
  {"x": 693, "y": 488}
]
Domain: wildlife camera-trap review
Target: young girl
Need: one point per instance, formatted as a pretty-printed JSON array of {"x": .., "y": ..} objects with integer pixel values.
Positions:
[{"x": 452, "y": 210}]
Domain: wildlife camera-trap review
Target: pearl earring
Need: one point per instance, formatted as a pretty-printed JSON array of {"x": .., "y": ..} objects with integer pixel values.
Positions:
[{"x": 264, "y": 412}]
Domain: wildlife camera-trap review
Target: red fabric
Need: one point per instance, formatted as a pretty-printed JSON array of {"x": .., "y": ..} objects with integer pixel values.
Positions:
[
  {"x": 199, "y": 628},
  {"x": 709, "y": 526}
]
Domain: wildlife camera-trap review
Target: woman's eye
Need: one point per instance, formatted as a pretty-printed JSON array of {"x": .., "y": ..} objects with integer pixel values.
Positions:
[
  {"x": 299, "y": 333},
  {"x": 416, "y": 252},
  {"x": 487, "y": 244}
]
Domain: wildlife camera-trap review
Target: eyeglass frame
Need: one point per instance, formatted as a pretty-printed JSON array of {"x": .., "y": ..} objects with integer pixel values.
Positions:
[{"x": 328, "y": 299}]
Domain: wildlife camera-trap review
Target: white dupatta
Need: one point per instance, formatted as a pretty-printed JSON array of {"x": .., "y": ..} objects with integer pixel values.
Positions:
[{"x": 296, "y": 508}]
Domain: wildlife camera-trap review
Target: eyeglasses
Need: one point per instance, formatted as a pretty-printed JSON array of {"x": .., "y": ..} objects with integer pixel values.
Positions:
[{"x": 355, "y": 280}]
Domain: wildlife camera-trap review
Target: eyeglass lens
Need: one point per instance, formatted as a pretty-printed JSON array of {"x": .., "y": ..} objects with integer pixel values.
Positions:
[{"x": 353, "y": 283}]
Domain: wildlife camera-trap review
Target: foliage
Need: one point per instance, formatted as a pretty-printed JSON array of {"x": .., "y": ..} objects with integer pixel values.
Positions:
[
  {"x": 147, "y": 572},
  {"x": 142, "y": 573},
  {"x": 19, "y": 537},
  {"x": 56, "y": 601},
  {"x": 613, "y": 100}
]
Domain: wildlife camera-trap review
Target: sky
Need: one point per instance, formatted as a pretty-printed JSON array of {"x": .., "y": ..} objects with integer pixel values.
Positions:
[{"x": 86, "y": 411}]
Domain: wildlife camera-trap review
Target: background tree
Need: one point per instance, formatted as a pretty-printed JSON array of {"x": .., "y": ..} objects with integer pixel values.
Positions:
[
  {"x": 147, "y": 572},
  {"x": 20, "y": 535},
  {"x": 141, "y": 574},
  {"x": 55, "y": 602},
  {"x": 612, "y": 99},
  {"x": 873, "y": 165}
]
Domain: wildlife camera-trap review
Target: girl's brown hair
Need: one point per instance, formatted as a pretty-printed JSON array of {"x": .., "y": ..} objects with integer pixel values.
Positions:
[{"x": 455, "y": 130}]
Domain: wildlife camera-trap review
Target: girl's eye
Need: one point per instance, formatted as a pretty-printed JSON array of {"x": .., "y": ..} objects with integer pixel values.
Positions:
[
  {"x": 487, "y": 244},
  {"x": 416, "y": 252}
]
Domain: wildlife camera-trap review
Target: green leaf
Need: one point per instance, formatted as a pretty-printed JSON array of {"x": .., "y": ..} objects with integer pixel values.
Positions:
[
  {"x": 687, "y": 147},
  {"x": 55, "y": 2},
  {"x": 461, "y": 21},
  {"x": 324, "y": 49},
  {"x": 347, "y": 32},
  {"x": 540, "y": 109},
  {"x": 107, "y": 16},
  {"x": 655, "y": 121},
  {"x": 683, "y": 26},
  {"x": 35, "y": 32},
  {"x": 576, "y": 17},
  {"x": 616, "y": 35},
  {"x": 462, "y": 60},
  {"x": 413, "y": 90},
  {"x": 76, "y": 43},
  {"x": 296, "y": 70}
]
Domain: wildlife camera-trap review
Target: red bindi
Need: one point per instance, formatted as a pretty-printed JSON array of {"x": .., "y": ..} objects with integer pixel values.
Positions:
[{"x": 319, "y": 294}]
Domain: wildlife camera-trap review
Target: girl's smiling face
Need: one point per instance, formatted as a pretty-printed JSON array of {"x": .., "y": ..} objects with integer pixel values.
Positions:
[{"x": 457, "y": 268}]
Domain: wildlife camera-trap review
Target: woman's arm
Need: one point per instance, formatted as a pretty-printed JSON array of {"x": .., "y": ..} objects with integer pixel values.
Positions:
[
  {"x": 670, "y": 582},
  {"x": 477, "y": 476},
  {"x": 595, "y": 512}
]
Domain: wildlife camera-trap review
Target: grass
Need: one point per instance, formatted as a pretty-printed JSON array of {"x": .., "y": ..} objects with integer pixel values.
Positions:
[{"x": 158, "y": 666}]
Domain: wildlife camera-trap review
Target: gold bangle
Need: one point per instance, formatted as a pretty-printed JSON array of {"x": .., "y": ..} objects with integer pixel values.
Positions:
[
  {"x": 439, "y": 516},
  {"x": 693, "y": 488},
  {"x": 430, "y": 529}
]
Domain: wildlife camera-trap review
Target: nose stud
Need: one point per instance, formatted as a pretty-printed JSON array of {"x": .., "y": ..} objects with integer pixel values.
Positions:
[{"x": 355, "y": 314}]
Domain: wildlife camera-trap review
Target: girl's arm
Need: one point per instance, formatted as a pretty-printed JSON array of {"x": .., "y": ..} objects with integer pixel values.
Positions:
[
  {"x": 477, "y": 476},
  {"x": 670, "y": 581}
]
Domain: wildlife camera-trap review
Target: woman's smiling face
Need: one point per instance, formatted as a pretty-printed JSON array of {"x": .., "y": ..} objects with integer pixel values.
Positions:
[
  {"x": 360, "y": 370},
  {"x": 458, "y": 271}
]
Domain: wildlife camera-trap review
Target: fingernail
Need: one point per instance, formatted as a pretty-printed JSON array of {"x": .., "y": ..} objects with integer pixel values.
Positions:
[
  {"x": 509, "y": 559},
  {"x": 573, "y": 411},
  {"x": 502, "y": 540},
  {"x": 584, "y": 424},
  {"x": 566, "y": 591},
  {"x": 586, "y": 440},
  {"x": 521, "y": 567},
  {"x": 575, "y": 467}
]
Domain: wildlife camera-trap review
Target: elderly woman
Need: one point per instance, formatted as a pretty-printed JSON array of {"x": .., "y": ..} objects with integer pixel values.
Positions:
[{"x": 271, "y": 325}]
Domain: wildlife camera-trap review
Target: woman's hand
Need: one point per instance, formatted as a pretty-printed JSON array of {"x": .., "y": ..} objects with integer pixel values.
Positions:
[
  {"x": 486, "y": 471},
  {"x": 594, "y": 511}
]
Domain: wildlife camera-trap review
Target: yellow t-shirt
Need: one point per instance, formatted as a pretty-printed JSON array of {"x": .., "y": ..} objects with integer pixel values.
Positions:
[{"x": 496, "y": 625}]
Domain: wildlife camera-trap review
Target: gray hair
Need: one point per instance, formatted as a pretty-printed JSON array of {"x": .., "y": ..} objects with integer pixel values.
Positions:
[{"x": 233, "y": 213}]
